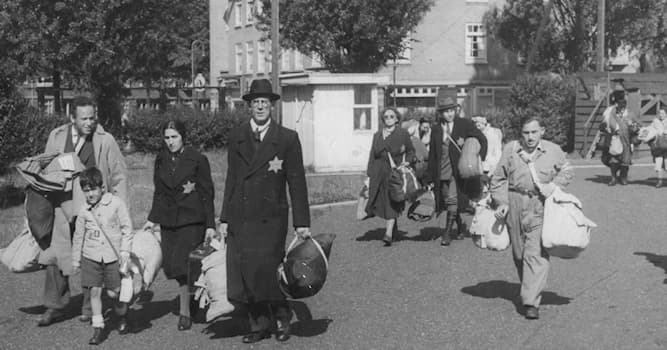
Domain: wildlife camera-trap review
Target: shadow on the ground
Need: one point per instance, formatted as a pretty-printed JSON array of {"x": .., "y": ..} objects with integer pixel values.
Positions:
[
  {"x": 11, "y": 196},
  {"x": 425, "y": 234},
  {"x": 600, "y": 179},
  {"x": 657, "y": 261},
  {"x": 236, "y": 323},
  {"x": 510, "y": 292},
  {"x": 651, "y": 181},
  {"x": 142, "y": 314}
]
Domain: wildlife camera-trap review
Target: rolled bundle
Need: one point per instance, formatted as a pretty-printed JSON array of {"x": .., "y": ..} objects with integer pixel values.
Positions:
[
  {"x": 304, "y": 269},
  {"x": 470, "y": 164},
  {"x": 214, "y": 269}
]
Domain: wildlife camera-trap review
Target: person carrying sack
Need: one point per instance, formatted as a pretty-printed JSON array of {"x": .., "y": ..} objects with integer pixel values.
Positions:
[{"x": 520, "y": 201}]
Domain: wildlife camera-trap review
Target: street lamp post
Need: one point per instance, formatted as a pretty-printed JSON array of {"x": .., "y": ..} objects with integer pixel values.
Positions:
[{"x": 192, "y": 68}]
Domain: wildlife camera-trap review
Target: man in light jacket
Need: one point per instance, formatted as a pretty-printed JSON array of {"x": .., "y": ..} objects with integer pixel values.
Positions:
[{"x": 94, "y": 147}]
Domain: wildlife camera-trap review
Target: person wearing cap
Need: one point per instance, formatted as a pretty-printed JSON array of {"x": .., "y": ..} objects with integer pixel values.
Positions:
[
  {"x": 618, "y": 124},
  {"x": 94, "y": 148},
  {"x": 447, "y": 137},
  {"x": 263, "y": 158},
  {"x": 494, "y": 139}
]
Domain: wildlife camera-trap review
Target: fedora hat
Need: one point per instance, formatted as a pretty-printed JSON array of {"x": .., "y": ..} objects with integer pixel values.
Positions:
[
  {"x": 261, "y": 88},
  {"x": 445, "y": 100}
]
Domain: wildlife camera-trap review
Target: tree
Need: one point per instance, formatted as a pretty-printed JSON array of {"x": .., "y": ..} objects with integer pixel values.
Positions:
[
  {"x": 100, "y": 45},
  {"x": 570, "y": 40},
  {"x": 347, "y": 36}
]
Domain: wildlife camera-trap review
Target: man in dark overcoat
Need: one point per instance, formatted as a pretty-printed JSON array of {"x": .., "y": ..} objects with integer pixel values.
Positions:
[
  {"x": 263, "y": 157},
  {"x": 447, "y": 137}
]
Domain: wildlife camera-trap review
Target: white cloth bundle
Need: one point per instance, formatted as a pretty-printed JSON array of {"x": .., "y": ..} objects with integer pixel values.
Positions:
[
  {"x": 565, "y": 231},
  {"x": 487, "y": 231},
  {"x": 21, "y": 254},
  {"x": 212, "y": 283}
]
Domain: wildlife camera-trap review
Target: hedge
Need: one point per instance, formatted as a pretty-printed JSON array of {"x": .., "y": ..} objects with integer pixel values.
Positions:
[
  {"x": 205, "y": 130},
  {"x": 549, "y": 96},
  {"x": 24, "y": 133}
]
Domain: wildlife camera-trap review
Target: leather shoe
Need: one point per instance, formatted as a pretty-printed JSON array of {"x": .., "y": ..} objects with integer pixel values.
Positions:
[
  {"x": 49, "y": 317},
  {"x": 184, "y": 323},
  {"x": 282, "y": 331},
  {"x": 123, "y": 327},
  {"x": 532, "y": 313},
  {"x": 612, "y": 182},
  {"x": 98, "y": 336},
  {"x": 659, "y": 184},
  {"x": 254, "y": 337},
  {"x": 387, "y": 241},
  {"x": 85, "y": 318}
]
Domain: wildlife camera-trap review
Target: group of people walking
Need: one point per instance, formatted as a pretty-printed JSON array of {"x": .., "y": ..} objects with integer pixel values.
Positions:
[
  {"x": 517, "y": 197},
  {"x": 264, "y": 158}
]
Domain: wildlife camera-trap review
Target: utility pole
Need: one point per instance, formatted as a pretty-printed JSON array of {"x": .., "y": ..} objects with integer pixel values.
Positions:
[
  {"x": 601, "y": 32},
  {"x": 275, "y": 56}
]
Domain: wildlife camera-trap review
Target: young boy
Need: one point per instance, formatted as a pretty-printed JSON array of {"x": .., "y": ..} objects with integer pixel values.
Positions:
[{"x": 101, "y": 244}]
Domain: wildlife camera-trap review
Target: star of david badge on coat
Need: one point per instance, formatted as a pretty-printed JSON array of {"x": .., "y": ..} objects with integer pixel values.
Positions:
[
  {"x": 276, "y": 164},
  {"x": 188, "y": 187},
  {"x": 460, "y": 141}
]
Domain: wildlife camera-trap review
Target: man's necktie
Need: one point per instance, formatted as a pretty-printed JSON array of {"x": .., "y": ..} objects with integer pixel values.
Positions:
[{"x": 257, "y": 136}]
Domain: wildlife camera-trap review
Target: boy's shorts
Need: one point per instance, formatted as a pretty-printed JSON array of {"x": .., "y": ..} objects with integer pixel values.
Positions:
[{"x": 97, "y": 274}]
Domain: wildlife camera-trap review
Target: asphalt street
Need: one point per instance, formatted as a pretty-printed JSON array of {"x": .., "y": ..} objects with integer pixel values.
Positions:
[{"x": 418, "y": 295}]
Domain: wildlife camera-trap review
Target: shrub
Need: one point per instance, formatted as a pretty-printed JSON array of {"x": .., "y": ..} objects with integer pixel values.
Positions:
[
  {"x": 205, "y": 130},
  {"x": 550, "y": 97},
  {"x": 24, "y": 134}
]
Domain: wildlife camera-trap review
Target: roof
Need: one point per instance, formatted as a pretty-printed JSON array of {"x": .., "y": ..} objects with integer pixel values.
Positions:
[{"x": 325, "y": 78}]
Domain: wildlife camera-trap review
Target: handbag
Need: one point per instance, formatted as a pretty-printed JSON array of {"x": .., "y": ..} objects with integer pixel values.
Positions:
[
  {"x": 615, "y": 145},
  {"x": 423, "y": 208},
  {"x": 403, "y": 183},
  {"x": 362, "y": 201},
  {"x": 566, "y": 232},
  {"x": 22, "y": 253}
]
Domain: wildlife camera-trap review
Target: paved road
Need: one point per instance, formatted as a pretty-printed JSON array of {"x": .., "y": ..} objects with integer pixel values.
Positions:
[{"x": 417, "y": 295}]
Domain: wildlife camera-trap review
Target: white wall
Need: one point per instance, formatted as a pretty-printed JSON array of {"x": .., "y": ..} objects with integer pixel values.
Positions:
[
  {"x": 337, "y": 146},
  {"x": 297, "y": 108}
]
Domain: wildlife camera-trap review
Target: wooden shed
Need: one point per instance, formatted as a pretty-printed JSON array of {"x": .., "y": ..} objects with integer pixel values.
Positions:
[
  {"x": 645, "y": 93},
  {"x": 335, "y": 115}
]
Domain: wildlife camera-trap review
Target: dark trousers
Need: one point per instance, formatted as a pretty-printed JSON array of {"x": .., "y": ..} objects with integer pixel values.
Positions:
[
  {"x": 57, "y": 291},
  {"x": 263, "y": 314}
]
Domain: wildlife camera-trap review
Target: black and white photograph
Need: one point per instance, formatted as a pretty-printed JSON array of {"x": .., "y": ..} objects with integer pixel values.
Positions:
[{"x": 333, "y": 174}]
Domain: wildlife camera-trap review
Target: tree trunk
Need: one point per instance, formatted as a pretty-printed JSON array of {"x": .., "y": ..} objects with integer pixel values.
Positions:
[{"x": 57, "y": 103}]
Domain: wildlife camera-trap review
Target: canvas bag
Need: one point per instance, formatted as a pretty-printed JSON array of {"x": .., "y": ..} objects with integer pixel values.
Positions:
[
  {"x": 487, "y": 231},
  {"x": 566, "y": 232},
  {"x": 22, "y": 253},
  {"x": 212, "y": 283},
  {"x": 615, "y": 145},
  {"x": 304, "y": 268},
  {"x": 423, "y": 208},
  {"x": 403, "y": 184}
]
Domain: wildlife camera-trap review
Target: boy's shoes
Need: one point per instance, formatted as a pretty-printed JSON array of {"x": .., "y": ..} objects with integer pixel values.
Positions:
[
  {"x": 49, "y": 317},
  {"x": 184, "y": 323},
  {"x": 282, "y": 331},
  {"x": 123, "y": 326},
  {"x": 98, "y": 336}
]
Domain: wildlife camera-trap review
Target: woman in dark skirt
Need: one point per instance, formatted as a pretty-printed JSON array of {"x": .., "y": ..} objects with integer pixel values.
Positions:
[
  {"x": 182, "y": 207},
  {"x": 392, "y": 140}
]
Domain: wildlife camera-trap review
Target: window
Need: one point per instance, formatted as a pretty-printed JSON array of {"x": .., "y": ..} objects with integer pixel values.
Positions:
[
  {"x": 250, "y": 12},
  {"x": 363, "y": 107},
  {"x": 261, "y": 56},
  {"x": 475, "y": 43},
  {"x": 249, "y": 57},
  {"x": 284, "y": 59},
  {"x": 238, "y": 53},
  {"x": 238, "y": 7}
]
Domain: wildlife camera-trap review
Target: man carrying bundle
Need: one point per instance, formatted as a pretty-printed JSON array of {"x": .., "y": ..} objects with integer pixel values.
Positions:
[{"x": 447, "y": 138}]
